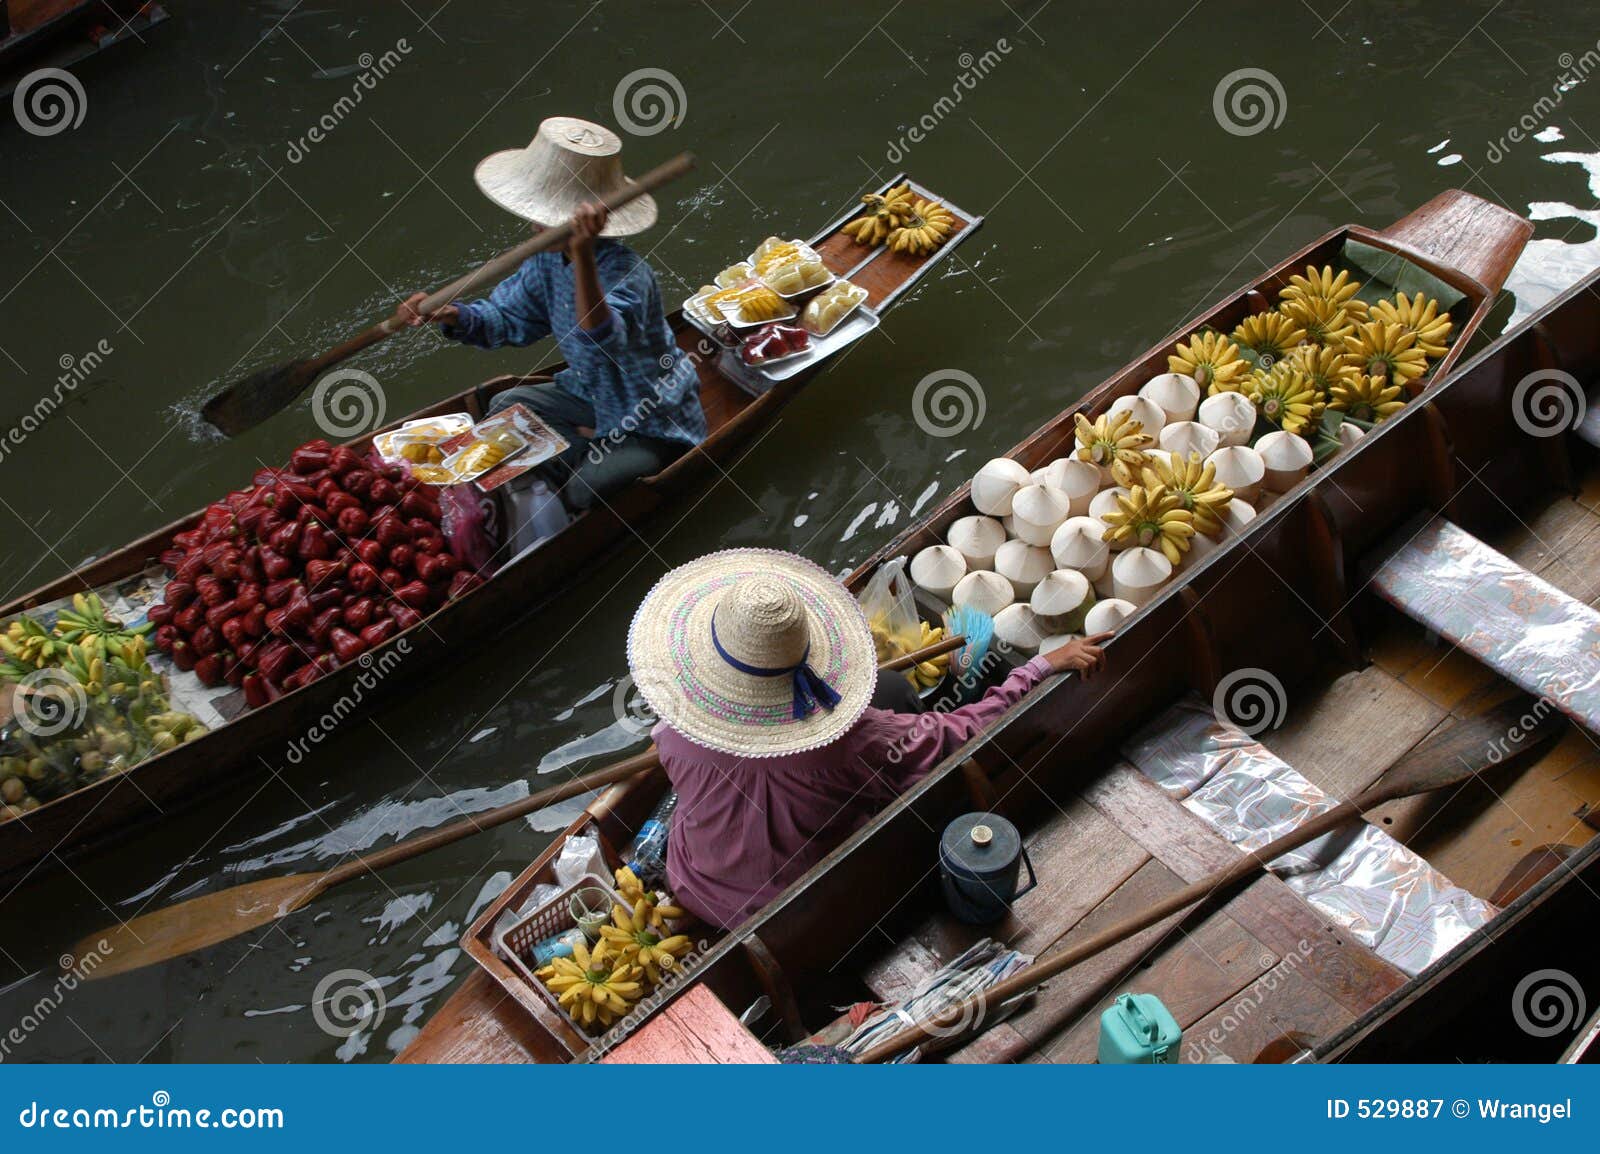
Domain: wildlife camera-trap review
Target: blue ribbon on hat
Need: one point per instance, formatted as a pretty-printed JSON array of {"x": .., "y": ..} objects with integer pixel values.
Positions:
[{"x": 811, "y": 692}]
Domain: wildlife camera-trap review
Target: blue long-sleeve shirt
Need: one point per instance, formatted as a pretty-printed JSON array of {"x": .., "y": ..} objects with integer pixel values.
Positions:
[{"x": 629, "y": 369}]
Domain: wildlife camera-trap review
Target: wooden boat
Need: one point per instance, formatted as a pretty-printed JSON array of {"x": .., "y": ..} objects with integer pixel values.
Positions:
[
  {"x": 38, "y": 34},
  {"x": 733, "y": 416},
  {"x": 822, "y": 942}
]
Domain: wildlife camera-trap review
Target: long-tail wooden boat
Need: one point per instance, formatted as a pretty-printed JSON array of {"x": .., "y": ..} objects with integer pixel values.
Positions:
[
  {"x": 734, "y": 417},
  {"x": 36, "y": 34},
  {"x": 866, "y": 923}
]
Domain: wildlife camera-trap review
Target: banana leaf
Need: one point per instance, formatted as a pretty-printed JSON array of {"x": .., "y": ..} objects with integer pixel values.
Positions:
[{"x": 1384, "y": 274}]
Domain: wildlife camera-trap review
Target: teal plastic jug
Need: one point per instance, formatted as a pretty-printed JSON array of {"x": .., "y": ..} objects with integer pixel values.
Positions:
[{"x": 1138, "y": 1029}]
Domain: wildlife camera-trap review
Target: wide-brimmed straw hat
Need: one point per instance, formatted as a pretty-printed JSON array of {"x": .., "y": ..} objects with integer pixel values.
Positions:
[
  {"x": 754, "y": 652},
  {"x": 568, "y": 162}
]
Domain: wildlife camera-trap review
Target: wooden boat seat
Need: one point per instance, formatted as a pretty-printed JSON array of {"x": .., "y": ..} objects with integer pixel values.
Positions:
[
  {"x": 1525, "y": 629},
  {"x": 695, "y": 1029}
]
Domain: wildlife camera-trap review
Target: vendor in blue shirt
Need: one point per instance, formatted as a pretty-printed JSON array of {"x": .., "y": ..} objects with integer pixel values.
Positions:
[{"x": 628, "y": 399}]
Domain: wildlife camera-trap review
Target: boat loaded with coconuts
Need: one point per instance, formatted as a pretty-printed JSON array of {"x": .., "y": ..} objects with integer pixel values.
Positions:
[
  {"x": 1322, "y": 788},
  {"x": 150, "y": 672}
]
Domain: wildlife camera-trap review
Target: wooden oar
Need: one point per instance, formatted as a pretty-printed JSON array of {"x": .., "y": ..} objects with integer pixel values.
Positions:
[
  {"x": 216, "y": 917},
  {"x": 1453, "y": 758},
  {"x": 248, "y": 402}
]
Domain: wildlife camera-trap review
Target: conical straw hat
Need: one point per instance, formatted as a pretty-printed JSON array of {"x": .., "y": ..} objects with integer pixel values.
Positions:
[
  {"x": 740, "y": 651},
  {"x": 568, "y": 162}
]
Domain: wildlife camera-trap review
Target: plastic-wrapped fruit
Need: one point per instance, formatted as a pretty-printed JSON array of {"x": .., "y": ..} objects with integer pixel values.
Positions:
[
  {"x": 773, "y": 342},
  {"x": 761, "y": 304},
  {"x": 796, "y": 276},
  {"x": 734, "y": 274},
  {"x": 832, "y": 305}
]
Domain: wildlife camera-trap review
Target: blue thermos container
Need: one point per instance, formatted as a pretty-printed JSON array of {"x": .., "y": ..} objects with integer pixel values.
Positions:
[{"x": 980, "y": 860}]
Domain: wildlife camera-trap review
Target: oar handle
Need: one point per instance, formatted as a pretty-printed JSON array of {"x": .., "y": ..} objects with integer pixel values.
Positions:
[
  {"x": 927, "y": 653},
  {"x": 498, "y": 268},
  {"x": 478, "y": 822}
]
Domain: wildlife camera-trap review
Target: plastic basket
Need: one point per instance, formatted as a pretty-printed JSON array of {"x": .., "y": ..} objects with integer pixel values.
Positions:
[{"x": 517, "y": 942}]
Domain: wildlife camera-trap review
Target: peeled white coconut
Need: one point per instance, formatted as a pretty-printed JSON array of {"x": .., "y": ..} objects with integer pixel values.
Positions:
[
  {"x": 1079, "y": 480},
  {"x": 1185, "y": 437},
  {"x": 1062, "y": 598},
  {"x": 1235, "y": 515},
  {"x": 1176, "y": 393},
  {"x": 937, "y": 569},
  {"x": 1051, "y": 644},
  {"x": 1105, "y": 501},
  {"x": 976, "y": 539},
  {"x": 1138, "y": 574},
  {"x": 1240, "y": 468},
  {"x": 1107, "y": 615},
  {"x": 994, "y": 485},
  {"x": 1149, "y": 414},
  {"x": 1230, "y": 415},
  {"x": 1017, "y": 628},
  {"x": 1023, "y": 565},
  {"x": 1287, "y": 457},
  {"x": 985, "y": 591},
  {"x": 1079, "y": 545},
  {"x": 1009, "y": 524},
  {"x": 1037, "y": 512},
  {"x": 1349, "y": 434}
]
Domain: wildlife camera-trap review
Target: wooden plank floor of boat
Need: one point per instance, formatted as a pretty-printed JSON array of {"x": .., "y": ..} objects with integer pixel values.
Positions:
[{"x": 1239, "y": 980}]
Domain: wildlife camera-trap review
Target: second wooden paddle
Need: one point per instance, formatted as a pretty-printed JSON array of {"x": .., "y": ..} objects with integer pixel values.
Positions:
[
  {"x": 1453, "y": 758},
  {"x": 246, "y": 403},
  {"x": 216, "y": 917}
]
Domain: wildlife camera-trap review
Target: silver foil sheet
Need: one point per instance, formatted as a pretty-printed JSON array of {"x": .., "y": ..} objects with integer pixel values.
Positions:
[
  {"x": 1360, "y": 879},
  {"x": 1185, "y": 747}
]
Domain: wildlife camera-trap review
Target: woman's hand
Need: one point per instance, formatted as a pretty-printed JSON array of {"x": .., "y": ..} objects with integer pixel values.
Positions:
[
  {"x": 1082, "y": 655},
  {"x": 410, "y": 312},
  {"x": 587, "y": 223}
]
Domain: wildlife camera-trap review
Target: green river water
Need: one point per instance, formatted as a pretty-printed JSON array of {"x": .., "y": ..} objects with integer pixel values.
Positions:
[{"x": 192, "y": 225}]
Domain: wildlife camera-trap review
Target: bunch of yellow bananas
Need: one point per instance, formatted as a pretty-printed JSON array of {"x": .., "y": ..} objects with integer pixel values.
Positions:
[
  {"x": 633, "y": 937},
  {"x": 88, "y": 620},
  {"x": 29, "y": 646},
  {"x": 594, "y": 987},
  {"x": 1154, "y": 518},
  {"x": 885, "y": 212},
  {"x": 924, "y": 230},
  {"x": 927, "y": 674}
]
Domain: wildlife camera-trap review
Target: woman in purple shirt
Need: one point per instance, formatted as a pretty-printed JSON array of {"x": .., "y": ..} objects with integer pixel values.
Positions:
[{"x": 762, "y": 669}]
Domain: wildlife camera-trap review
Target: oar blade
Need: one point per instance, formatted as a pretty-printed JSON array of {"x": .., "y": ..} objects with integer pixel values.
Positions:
[
  {"x": 1473, "y": 746},
  {"x": 245, "y": 404},
  {"x": 193, "y": 925}
]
